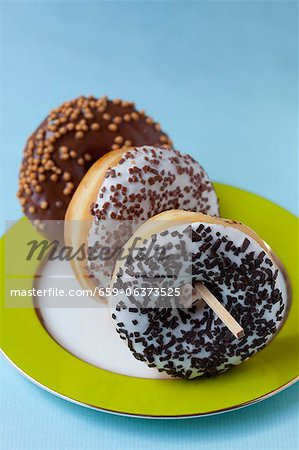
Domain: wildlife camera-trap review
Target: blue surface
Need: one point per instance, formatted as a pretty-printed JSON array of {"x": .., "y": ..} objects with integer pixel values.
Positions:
[
  {"x": 221, "y": 77},
  {"x": 35, "y": 420}
]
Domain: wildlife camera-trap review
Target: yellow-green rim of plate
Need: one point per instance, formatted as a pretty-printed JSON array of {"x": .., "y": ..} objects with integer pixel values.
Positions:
[{"x": 27, "y": 344}]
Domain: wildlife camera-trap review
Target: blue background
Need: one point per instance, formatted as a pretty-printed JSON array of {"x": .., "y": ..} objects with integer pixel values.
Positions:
[{"x": 222, "y": 79}]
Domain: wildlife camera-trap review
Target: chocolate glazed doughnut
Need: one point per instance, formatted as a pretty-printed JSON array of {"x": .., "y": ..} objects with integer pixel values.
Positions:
[{"x": 71, "y": 138}]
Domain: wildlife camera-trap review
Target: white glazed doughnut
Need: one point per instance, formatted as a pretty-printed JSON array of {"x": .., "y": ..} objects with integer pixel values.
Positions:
[
  {"x": 134, "y": 185},
  {"x": 231, "y": 260}
]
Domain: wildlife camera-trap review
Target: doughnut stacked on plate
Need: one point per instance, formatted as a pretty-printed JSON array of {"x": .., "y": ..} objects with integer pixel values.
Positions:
[
  {"x": 186, "y": 339},
  {"x": 124, "y": 190},
  {"x": 141, "y": 189},
  {"x": 68, "y": 141}
]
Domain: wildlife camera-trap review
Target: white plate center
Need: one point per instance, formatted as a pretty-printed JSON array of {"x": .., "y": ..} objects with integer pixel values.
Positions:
[{"x": 86, "y": 331}]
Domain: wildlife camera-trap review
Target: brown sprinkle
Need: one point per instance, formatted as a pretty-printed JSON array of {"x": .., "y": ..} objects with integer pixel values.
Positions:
[
  {"x": 54, "y": 177},
  {"x": 79, "y": 135},
  {"x": 66, "y": 176},
  {"x": 44, "y": 205},
  {"x": 119, "y": 140},
  {"x": 163, "y": 139},
  {"x": 117, "y": 120},
  {"x": 112, "y": 127},
  {"x": 135, "y": 115}
]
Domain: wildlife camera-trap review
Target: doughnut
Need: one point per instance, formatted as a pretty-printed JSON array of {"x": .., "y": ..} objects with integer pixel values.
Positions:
[
  {"x": 186, "y": 339},
  {"x": 70, "y": 139},
  {"x": 127, "y": 186}
]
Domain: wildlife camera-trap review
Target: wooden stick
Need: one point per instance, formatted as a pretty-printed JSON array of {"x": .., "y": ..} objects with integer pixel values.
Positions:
[{"x": 218, "y": 309}]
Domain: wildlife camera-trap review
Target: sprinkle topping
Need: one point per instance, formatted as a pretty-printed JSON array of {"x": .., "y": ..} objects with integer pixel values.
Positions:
[
  {"x": 186, "y": 340},
  {"x": 146, "y": 181}
]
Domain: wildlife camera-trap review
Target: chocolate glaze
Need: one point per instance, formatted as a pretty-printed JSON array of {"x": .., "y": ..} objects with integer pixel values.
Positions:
[{"x": 139, "y": 130}]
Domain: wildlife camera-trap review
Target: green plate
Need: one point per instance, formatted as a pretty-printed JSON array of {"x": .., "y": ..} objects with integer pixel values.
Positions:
[{"x": 26, "y": 343}]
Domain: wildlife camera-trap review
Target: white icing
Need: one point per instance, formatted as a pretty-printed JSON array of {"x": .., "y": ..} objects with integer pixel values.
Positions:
[
  {"x": 182, "y": 273},
  {"x": 183, "y": 184}
]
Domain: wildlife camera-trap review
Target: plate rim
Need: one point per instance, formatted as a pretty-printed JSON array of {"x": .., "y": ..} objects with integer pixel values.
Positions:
[{"x": 149, "y": 416}]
